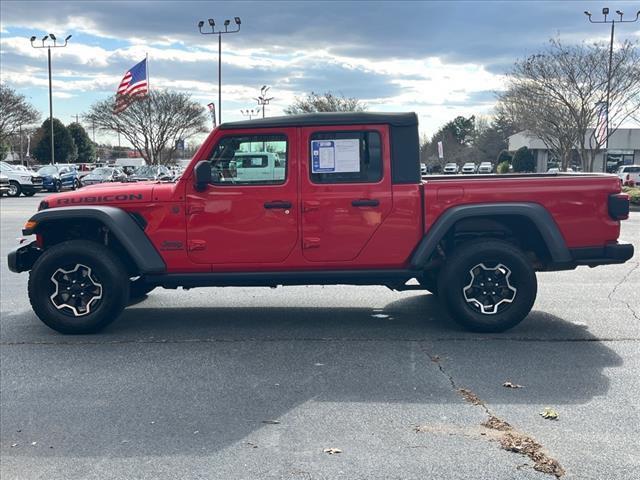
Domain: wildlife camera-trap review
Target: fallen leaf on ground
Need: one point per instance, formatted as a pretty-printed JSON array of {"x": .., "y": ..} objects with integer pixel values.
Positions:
[
  {"x": 271, "y": 422},
  {"x": 549, "y": 413},
  {"x": 14, "y": 445},
  {"x": 332, "y": 450},
  {"x": 511, "y": 385}
]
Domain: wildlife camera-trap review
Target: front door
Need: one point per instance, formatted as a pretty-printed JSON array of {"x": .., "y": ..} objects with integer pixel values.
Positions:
[
  {"x": 246, "y": 218},
  {"x": 345, "y": 189}
]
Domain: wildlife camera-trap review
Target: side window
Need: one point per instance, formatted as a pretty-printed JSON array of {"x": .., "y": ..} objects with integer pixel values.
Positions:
[
  {"x": 345, "y": 157},
  {"x": 250, "y": 160}
]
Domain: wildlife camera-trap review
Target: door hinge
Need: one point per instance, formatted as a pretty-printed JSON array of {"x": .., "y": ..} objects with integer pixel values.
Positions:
[{"x": 197, "y": 245}]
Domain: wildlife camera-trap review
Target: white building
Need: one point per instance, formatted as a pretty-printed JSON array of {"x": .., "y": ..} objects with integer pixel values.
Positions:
[{"x": 624, "y": 149}]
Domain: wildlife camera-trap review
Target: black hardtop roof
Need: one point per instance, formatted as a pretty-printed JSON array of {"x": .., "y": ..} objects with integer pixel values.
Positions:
[{"x": 328, "y": 118}]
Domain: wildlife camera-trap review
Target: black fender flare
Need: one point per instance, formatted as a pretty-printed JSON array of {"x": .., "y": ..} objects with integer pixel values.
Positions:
[
  {"x": 535, "y": 212},
  {"x": 122, "y": 225}
]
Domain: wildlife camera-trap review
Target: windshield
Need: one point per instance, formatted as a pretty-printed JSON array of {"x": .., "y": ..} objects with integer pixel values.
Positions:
[{"x": 48, "y": 170}]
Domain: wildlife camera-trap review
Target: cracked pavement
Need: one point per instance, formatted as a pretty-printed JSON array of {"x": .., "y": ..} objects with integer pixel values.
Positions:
[{"x": 182, "y": 384}]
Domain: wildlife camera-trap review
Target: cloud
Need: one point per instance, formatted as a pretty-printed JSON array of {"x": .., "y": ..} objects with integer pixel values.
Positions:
[{"x": 438, "y": 58}]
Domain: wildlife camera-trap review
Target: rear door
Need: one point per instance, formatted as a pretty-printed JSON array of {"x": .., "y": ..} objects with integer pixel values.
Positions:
[
  {"x": 345, "y": 189},
  {"x": 247, "y": 220}
]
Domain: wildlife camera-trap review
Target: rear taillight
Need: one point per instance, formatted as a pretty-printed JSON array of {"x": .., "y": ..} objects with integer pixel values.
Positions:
[{"x": 619, "y": 206}]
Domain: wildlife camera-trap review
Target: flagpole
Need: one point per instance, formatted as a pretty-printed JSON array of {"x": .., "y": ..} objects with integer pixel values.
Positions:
[{"x": 146, "y": 59}]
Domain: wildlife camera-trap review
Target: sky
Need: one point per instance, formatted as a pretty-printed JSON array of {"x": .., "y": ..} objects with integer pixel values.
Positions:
[{"x": 439, "y": 59}]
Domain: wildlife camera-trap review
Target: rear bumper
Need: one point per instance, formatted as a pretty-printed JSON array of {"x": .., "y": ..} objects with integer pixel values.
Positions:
[{"x": 609, "y": 254}]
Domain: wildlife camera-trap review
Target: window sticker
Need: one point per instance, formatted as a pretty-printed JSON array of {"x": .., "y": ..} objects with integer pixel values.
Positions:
[{"x": 335, "y": 156}]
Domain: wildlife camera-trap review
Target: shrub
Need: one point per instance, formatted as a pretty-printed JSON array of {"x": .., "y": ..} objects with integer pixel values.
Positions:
[
  {"x": 503, "y": 167},
  {"x": 523, "y": 160},
  {"x": 634, "y": 194}
]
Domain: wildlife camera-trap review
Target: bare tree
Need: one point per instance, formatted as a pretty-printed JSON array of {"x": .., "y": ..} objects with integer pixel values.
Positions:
[
  {"x": 555, "y": 95},
  {"x": 327, "y": 102},
  {"x": 15, "y": 112},
  {"x": 542, "y": 117},
  {"x": 152, "y": 124}
]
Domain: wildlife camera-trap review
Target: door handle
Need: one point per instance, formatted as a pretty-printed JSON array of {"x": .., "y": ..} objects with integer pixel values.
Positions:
[
  {"x": 277, "y": 204},
  {"x": 365, "y": 202}
]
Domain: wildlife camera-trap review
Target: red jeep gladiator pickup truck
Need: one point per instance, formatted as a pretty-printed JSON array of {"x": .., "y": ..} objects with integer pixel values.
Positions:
[{"x": 316, "y": 199}]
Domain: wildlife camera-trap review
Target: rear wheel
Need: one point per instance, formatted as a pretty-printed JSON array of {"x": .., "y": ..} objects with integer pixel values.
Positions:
[
  {"x": 488, "y": 285},
  {"x": 78, "y": 287},
  {"x": 14, "y": 189}
]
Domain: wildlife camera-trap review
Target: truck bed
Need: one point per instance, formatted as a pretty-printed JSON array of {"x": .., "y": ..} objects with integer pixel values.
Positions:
[{"x": 576, "y": 201}]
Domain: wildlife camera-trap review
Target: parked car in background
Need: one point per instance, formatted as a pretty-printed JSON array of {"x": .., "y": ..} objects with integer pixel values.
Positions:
[
  {"x": 423, "y": 169},
  {"x": 629, "y": 174},
  {"x": 450, "y": 168},
  {"x": 129, "y": 165},
  {"x": 252, "y": 167},
  {"x": 21, "y": 180},
  {"x": 146, "y": 173},
  {"x": 104, "y": 174},
  {"x": 56, "y": 178},
  {"x": 469, "y": 167},
  {"x": 485, "y": 167},
  {"x": 4, "y": 184},
  {"x": 84, "y": 169}
]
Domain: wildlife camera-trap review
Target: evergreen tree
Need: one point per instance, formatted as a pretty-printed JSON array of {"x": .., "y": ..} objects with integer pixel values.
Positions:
[
  {"x": 64, "y": 148},
  {"x": 86, "y": 149},
  {"x": 523, "y": 161}
]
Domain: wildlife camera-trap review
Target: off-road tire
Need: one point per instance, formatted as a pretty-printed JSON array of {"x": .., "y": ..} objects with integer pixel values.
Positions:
[
  {"x": 462, "y": 268},
  {"x": 138, "y": 289},
  {"x": 106, "y": 270},
  {"x": 17, "y": 189}
]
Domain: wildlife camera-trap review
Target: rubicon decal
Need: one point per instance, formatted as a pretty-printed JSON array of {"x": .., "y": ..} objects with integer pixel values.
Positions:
[{"x": 123, "y": 197}]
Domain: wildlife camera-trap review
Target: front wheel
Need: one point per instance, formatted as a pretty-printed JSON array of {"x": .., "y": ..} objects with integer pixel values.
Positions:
[
  {"x": 488, "y": 285},
  {"x": 14, "y": 189},
  {"x": 78, "y": 287},
  {"x": 57, "y": 186}
]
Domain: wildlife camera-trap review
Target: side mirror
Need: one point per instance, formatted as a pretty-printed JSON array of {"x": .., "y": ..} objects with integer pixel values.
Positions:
[{"x": 202, "y": 173}]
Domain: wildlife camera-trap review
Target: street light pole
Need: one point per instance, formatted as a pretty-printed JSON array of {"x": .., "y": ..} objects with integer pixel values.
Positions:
[
  {"x": 262, "y": 99},
  {"x": 49, "y": 46},
  {"x": 613, "y": 21},
  {"x": 219, "y": 32},
  {"x": 249, "y": 113}
]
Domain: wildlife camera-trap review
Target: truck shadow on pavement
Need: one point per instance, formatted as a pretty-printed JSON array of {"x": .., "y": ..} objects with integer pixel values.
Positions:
[{"x": 163, "y": 381}]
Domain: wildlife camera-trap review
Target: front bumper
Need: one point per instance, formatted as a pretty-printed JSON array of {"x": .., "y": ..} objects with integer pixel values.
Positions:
[{"x": 22, "y": 258}]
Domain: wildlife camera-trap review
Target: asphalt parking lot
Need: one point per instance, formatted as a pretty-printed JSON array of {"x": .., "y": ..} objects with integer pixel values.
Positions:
[{"x": 243, "y": 383}]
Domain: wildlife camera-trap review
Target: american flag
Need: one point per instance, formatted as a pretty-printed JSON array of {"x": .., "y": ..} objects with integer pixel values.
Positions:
[
  {"x": 134, "y": 84},
  {"x": 600, "y": 133}
]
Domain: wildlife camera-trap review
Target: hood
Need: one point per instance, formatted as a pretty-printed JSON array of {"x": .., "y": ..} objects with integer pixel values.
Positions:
[{"x": 103, "y": 194}]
